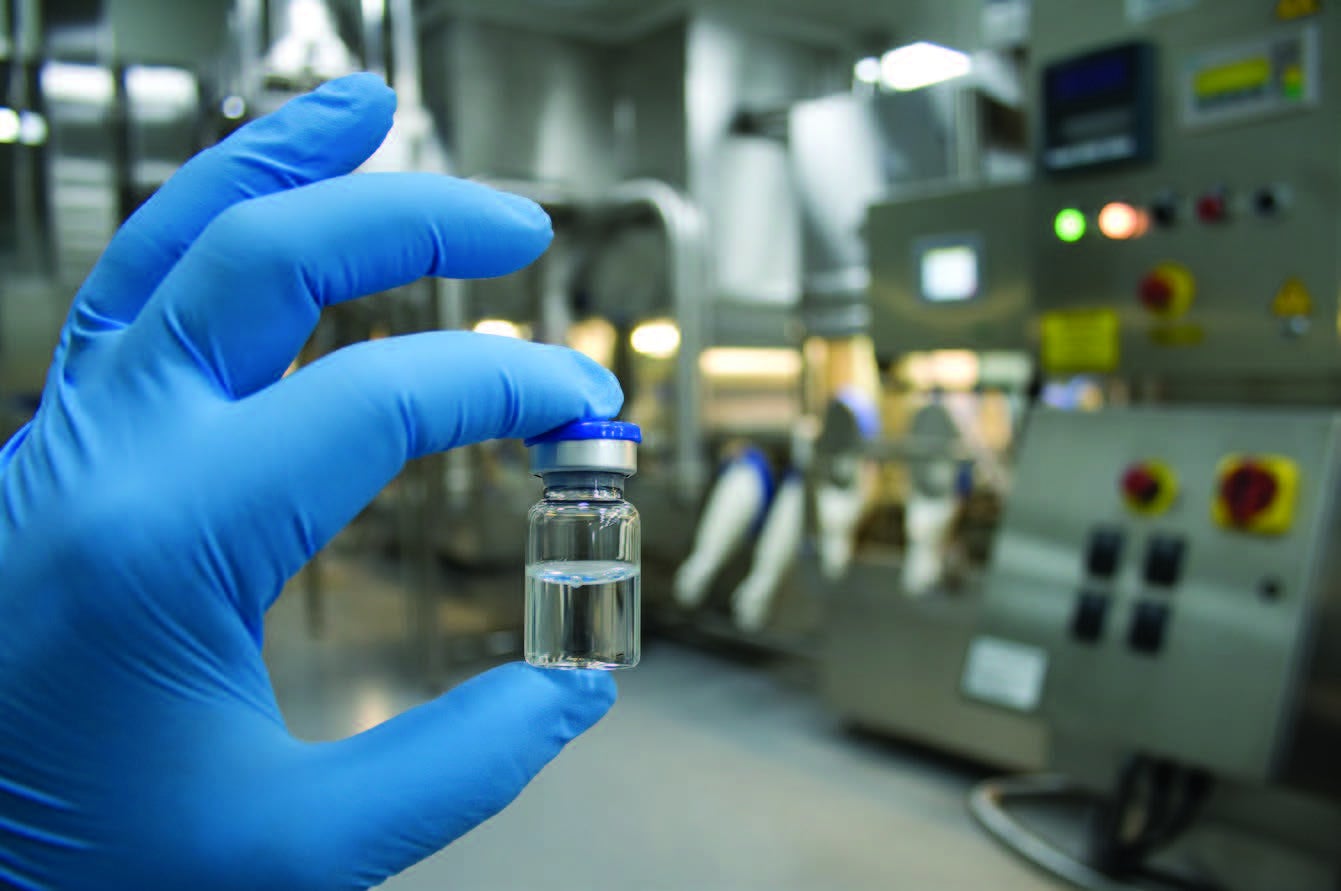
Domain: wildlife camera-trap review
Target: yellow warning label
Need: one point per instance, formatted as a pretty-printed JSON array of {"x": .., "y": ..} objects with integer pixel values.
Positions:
[
  {"x": 1292, "y": 300},
  {"x": 1297, "y": 9},
  {"x": 1079, "y": 340}
]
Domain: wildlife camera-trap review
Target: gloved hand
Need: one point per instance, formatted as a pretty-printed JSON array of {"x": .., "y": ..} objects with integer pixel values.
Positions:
[{"x": 171, "y": 482}]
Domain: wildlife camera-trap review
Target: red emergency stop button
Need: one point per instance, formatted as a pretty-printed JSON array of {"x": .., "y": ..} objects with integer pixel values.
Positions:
[
  {"x": 1256, "y": 493},
  {"x": 1148, "y": 487},
  {"x": 1248, "y": 492},
  {"x": 1156, "y": 293},
  {"x": 1167, "y": 290}
]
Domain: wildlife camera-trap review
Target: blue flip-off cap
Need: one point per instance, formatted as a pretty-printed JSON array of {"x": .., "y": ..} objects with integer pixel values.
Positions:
[{"x": 577, "y": 430}]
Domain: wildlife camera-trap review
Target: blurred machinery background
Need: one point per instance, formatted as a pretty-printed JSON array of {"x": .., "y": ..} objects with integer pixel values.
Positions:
[
  {"x": 1163, "y": 573},
  {"x": 992, "y": 384}
]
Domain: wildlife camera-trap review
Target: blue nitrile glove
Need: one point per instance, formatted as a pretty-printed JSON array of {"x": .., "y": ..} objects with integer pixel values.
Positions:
[{"x": 171, "y": 482}]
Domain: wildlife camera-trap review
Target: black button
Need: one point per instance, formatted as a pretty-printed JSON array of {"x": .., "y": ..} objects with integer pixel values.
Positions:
[
  {"x": 1164, "y": 559},
  {"x": 1147, "y": 627},
  {"x": 1165, "y": 211},
  {"x": 1088, "y": 622},
  {"x": 1104, "y": 553},
  {"x": 1271, "y": 201},
  {"x": 1266, "y": 202}
]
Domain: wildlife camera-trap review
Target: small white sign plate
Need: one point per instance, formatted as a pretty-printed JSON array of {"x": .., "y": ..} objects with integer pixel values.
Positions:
[{"x": 1005, "y": 673}]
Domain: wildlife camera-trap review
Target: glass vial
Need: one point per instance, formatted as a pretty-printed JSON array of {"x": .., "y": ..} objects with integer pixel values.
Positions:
[{"x": 584, "y": 549}]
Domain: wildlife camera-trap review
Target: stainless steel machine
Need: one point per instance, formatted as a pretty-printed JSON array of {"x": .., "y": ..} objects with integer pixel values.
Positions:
[
  {"x": 1164, "y": 593},
  {"x": 102, "y": 101},
  {"x": 950, "y": 283}
]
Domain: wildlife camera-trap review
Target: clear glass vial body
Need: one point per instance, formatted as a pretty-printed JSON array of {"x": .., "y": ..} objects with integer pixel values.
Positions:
[{"x": 583, "y": 574}]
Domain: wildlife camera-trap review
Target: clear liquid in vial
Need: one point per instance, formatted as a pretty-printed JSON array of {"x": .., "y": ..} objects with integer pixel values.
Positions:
[{"x": 582, "y": 613}]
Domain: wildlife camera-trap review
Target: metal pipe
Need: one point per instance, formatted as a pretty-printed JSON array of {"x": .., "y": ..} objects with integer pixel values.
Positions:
[
  {"x": 966, "y": 147},
  {"x": 249, "y": 30},
  {"x": 373, "y": 15},
  {"x": 682, "y": 222},
  {"x": 32, "y": 232},
  {"x": 987, "y": 805},
  {"x": 405, "y": 52}
]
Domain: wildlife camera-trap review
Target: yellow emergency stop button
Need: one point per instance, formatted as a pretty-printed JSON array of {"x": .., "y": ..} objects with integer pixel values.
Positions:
[
  {"x": 1148, "y": 487},
  {"x": 1168, "y": 290},
  {"x": 1256, "y": 493}
]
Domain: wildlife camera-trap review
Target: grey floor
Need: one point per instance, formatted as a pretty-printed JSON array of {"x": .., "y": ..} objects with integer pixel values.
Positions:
[{"x": 708, "y": 774}]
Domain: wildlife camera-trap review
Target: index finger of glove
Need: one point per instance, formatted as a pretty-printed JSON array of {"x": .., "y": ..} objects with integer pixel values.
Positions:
[{"x": 326, "y": 133}]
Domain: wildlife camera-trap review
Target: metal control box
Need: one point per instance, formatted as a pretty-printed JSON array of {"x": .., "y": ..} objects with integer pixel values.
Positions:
[
  {"x": 951, "y": 270},
  {"x": 1174, "y": 625},
  {"x": 1219, "y": 160}
]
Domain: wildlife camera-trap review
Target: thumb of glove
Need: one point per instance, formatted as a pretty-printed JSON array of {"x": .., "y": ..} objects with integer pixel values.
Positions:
[{"x": 379, "y": 802}]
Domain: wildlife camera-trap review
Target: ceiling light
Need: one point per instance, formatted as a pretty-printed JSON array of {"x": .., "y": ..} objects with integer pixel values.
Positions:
[
  {"x": 32, "y": 128},
  {"x": 160, "y": 85},
  {"x": 867, "y": 70},
  {"x": 659, "y": 338},
  {"x": 922, "y": 64},
  {"x": 9, "y": 125},
  {"x": 594, "y": 338},
  {"x": 750, "y": 362},
  {"x": 67, "y": 82},
  {"x": 234, "y": 107},
  {"x": 499, "y": 327}
]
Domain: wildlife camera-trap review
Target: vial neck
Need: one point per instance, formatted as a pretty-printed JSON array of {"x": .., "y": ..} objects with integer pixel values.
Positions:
[{"x": 583, "y": 485}]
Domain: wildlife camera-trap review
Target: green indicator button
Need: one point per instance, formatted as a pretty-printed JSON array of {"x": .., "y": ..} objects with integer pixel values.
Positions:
[{"x": 1069, "y": 224}]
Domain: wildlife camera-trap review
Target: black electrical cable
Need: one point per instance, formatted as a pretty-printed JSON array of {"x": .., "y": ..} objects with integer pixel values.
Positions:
[
  {"x": 1169, "y": 797},
  {"x": 1161, "y": 807},
  {"x": 1198, "y": 785},
  {"x": 1193, "y": 788},
  {"x": 988, "y": 801},
  {"x": 1107, "y": 850},
  {"x": 1167, "y": 800}
]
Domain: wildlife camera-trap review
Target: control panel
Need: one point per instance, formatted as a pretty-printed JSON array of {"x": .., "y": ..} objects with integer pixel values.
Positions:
[
  {"x": 1189, "y": 179},
  {"x": 1167, "y": 579}
]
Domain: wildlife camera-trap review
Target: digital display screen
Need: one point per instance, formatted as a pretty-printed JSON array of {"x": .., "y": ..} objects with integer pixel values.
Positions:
[
  {"x": 949, "y": 273},
  {"x": 1099, "y": 108},
  {"x": 1091, "y": 77}
]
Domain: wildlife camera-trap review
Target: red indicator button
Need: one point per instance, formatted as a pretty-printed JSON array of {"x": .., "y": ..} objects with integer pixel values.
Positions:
[
  {"x": 1213, "y": 207},
  {"x": 1140, "y": 485},
  {"x": 1148, "y": 487}
]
